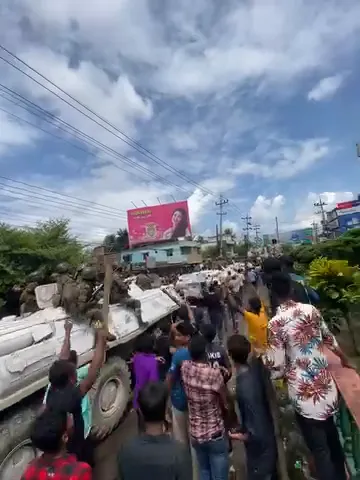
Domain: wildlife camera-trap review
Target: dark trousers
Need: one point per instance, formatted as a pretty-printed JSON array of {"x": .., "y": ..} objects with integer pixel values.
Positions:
[
  {"x": 216, "y": 319},
  {"x": 322, "y": 439}
]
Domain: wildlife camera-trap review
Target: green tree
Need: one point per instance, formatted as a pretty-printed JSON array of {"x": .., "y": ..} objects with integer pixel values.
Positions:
[
  {"x": 24, "y": 250},
  {"x": 117, "y": 242}
]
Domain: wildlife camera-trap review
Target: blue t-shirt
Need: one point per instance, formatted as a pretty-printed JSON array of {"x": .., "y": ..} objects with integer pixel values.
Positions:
[{"x": 178, "y": 397}]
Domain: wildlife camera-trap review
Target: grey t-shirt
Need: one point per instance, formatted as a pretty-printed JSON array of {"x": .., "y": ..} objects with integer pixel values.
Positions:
[{"x": 158, "y": 457}]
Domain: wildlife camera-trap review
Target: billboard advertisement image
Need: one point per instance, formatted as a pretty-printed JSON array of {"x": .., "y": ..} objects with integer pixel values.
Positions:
[{"x": 158, "y": 223}]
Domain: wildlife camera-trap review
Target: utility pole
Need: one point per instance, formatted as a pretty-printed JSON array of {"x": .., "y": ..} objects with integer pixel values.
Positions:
[
  {"x": 247, "y": 229},
  {"x": 257, "y": 238},
  {"x": 320, "y": 204},
  {"x": 222, "y": 201},
  {"x": 315, "y": 232},
  {"x": 277, "y": 230}
]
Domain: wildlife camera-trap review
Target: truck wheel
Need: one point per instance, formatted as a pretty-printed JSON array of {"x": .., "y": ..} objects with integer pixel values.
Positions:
[
  {"x": 109, "y": 397},
  {"x": 16, "y": 450}
]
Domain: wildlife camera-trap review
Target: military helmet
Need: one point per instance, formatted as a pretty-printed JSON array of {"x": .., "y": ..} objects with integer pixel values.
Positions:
[
  {"x": 36, "y": 276},
  {"x": 54, "y": 277},
  {"x": 88, "y": 273},
  {"x": 63, "y": 267}
]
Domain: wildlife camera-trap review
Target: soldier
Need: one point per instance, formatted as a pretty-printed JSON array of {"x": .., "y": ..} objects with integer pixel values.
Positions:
[
  {"x": 120, "y": 294},
  {"x": 143, "y": 280},
  {"x": 28, "y": 303},
  {"x": 61, "y": 277},
  {"x": 79, "y": 301}
]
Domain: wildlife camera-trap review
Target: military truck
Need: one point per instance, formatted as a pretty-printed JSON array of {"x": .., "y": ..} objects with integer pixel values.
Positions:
[{"x": 28, "y": 347}]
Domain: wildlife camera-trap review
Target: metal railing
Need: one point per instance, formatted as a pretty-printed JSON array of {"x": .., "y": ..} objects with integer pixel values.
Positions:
[{"x": 348, "y": 417}]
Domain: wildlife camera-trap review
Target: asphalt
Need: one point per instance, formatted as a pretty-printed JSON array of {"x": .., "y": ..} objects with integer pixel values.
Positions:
[{"x": 106, "y": 452}]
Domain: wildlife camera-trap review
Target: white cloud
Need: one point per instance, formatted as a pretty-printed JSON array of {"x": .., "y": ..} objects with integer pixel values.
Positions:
[
  {"x": 266, "y": 209},
  {"x": 186, "y": 81},
  {"x": 293, "y": 215},
  {"x": 284, "y": 161},
  {"x": 326, "y": 88}
]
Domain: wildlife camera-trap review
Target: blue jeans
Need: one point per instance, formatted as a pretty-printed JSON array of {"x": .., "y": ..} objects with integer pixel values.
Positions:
[{"x": 213, "y": 459}]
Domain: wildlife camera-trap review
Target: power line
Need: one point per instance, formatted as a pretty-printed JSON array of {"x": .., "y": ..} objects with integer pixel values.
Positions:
[
  {"x": 144, "y": 151},
  {"x": 84, "y": 138},
  {"x": 30, "y": 194},
  {"x": 155, "y": 159}
]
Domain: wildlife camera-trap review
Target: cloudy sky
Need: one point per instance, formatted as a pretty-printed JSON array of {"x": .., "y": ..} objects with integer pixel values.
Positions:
[{"x": 258, "y": 100}]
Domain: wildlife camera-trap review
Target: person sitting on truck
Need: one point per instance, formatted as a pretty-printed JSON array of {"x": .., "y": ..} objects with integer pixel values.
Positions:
[
  {"x": 50, "y": 434},
  {"x": 66, "y": 396}
]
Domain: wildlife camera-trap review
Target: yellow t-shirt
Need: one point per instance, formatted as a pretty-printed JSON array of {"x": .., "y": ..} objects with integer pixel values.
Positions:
[{"x": 257, "y": 328}]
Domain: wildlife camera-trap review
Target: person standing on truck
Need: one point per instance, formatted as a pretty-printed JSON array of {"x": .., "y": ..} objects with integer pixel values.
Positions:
[{"x": 66, "y": 395}]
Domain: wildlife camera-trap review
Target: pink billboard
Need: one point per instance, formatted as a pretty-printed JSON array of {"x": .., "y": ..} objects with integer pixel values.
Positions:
[{"x": 158, "y": 223}]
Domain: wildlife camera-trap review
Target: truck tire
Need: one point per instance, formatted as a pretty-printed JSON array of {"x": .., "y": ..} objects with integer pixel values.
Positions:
[
  {"x": 110, "y": 396},
  {"x": 16, "y": 450}
]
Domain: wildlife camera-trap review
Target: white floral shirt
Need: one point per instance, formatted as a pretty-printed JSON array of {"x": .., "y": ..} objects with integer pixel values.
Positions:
[{"x": 297, "y": 335}]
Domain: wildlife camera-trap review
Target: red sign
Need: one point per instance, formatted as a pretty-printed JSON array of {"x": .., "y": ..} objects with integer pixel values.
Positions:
[
  {"x": 350, "y": 204},
  {"x": 158, "y": 223}
]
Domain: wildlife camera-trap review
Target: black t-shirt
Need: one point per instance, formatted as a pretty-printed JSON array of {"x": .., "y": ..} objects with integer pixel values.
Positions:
[
  {"x": 216, "y": 355},
  {"x": 154, "y": 457},
  {"x": 213, "y": 301},
  {"x": 68, "y": 400}
]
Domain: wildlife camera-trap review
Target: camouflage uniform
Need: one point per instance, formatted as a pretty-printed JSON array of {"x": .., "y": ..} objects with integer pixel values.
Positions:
[
  {"x": 28, "y": 303},
  {"x": 143, "y": 281},
  {"x": 120, "y": 294},
  {"x": 61, "y": 277}
]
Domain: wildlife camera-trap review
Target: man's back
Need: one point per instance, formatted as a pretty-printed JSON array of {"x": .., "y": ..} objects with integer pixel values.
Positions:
[{"x": 158, "y": 457}]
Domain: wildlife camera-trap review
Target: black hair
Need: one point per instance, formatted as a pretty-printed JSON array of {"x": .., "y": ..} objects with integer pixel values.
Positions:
[
  {"x": 271, "y": 265},
  {"x": 47, "y": 431},
  {"x": 152, "y": 402},
  {"x": 208, "y": 331},
  {"x": 281, "y": 285},
  {"x": 239, "y": 348},
  {"x": 185, "y": 329},
  {"x": 183, "y": 313},
  {"x": 180, "y": 229},
  {"x": 60, "y": 373},
  {"x": 145, "y": 343},
  {"x": 73, "y": 357},
  {"x": 255, "y": 304},
  {"x": 197, "y": 348},
  {"x": 165, "y": 326},
  {"x": 287, "y": 262}
]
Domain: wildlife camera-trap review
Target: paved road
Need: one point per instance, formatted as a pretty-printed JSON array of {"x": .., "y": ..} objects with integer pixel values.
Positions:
[{"x": 106, "y": 451}]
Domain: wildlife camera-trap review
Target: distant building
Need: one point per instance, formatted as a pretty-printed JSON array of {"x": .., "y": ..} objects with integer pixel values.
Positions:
[
  {"x": 182, "y": 252},
  {"x": 212, "y": 241},
  {"x": 345, "y": 216}
]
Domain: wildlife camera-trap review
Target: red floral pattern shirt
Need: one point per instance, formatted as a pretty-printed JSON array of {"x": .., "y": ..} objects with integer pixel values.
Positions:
[{"x": 297, "y": 335}]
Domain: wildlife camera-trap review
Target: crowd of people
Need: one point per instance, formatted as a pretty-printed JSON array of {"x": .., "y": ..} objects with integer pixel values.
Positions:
[{"x": 188, "y": 416}]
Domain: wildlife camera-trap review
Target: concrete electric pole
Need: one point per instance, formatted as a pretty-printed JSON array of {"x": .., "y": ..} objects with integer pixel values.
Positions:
[
  {"x": 247, "y": 229},
  {"x": 320, "y": 204},
  {"x": 222, "y": 201}
]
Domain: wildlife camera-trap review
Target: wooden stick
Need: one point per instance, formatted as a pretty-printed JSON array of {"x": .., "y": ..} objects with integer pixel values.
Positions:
[{"x": 107, "y": 289}]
